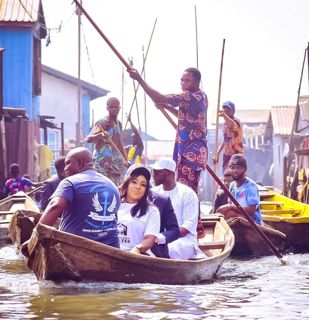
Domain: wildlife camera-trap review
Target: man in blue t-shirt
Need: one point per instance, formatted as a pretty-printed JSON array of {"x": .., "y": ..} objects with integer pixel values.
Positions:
[
  {"x": 87, "y": 201},
  {"x": 244, "y": 190}
]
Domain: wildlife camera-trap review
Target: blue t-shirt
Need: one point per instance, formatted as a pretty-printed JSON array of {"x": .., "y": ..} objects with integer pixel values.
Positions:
[
  {"x": 248, "y": 194},
  {"x": 94, "y": 203}
]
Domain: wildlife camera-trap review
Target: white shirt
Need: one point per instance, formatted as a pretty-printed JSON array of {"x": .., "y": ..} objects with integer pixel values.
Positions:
[
  {"x": 185, "y": 204},
  {"x": 132, "y": 230}
]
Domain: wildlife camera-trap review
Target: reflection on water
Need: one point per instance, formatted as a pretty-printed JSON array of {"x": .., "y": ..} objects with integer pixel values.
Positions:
[{"x": 255, "y": 289}]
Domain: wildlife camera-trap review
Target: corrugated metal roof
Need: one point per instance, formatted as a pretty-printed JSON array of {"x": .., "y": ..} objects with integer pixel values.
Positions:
[
  {"x": 282, "y": 119},
  {"x": 20, "y": 10}
]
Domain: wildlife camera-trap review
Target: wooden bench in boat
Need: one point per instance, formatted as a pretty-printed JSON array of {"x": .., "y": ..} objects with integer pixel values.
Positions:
[
  {"x": 212, "y": 245},
  {"x": 280, "y": 211},
  {"x": 276, "y": 204}
]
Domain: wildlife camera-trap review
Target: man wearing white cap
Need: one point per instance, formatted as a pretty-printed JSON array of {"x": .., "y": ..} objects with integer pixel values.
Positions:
[{"x": 186, "y": 207}]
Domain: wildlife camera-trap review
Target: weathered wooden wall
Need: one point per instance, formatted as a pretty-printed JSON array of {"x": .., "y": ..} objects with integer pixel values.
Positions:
[{"x": 21, "y": 140}]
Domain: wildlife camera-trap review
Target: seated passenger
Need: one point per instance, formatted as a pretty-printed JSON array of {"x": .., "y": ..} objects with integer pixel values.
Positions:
[
  {"x": 138, "y": 219},
  {"x": 186, "y": 206},
  {"x": 169, "y": 229},
  {"x": 17, "y": 182},
  {"x": 86, "y": 201},
  {"x": 244, "y": 190},
  {"x": 221, "y": 197}
]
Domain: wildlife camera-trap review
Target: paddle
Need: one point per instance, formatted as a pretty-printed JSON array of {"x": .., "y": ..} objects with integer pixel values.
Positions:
[
  {"x": 247, "y": 216},
  {"x": 167, "y": 116},
  {"x": 112, "y": 143}
]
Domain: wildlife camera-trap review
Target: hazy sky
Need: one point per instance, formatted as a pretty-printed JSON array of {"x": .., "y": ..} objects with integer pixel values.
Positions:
[{"x": 265, "y": 44}]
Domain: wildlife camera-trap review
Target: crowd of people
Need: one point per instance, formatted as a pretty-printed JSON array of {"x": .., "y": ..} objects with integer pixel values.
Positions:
[{"x": 108, "y": 197}]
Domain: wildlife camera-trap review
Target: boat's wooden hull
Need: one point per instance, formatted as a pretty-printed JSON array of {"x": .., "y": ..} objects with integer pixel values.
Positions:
[
  {"x": 288, "y": 216},
  {"x": 10, "y": 205},
  {"x": 249, "y": 243},
  {"x": 59, "y": 256},
  {"x": 297, "y": 233},
  {"x": 21, "y": 226}
]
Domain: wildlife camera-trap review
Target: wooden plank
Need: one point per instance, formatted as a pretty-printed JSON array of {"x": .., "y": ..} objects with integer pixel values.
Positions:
[
  {"x": 212, "y": 245},
  {"x": 271, "y": 203},
  {"x": 280, "y": 211}
]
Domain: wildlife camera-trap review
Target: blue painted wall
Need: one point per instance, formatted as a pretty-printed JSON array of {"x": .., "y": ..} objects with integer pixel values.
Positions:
[{"x": 18, "y": 70}]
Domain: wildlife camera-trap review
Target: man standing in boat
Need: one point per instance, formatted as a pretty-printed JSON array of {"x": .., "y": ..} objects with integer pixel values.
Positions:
[
  {"x": 190, "y": 150},
  {"x": 86, "y": 201},
  {"x": 232, "y": 135},
  {"x": 110, "y": 158},
  {"x": 244, "y": 190}
]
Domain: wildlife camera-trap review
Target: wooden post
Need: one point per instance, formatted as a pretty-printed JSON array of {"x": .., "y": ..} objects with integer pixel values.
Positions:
[{"x": 62, "y": 138}]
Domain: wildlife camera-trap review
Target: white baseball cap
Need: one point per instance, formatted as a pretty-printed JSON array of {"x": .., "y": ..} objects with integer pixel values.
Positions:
[{"x": 164, "y": 163}]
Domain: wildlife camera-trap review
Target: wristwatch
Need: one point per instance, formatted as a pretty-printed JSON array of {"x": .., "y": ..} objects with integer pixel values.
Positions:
[{"x": 139, "y": 247}]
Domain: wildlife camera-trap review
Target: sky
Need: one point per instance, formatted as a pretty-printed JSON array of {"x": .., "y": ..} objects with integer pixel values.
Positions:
[{"x": 265, "y": 41}]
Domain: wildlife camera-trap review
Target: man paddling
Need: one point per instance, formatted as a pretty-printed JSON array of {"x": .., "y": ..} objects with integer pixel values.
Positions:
[
  {"x": 190, "y": 150},
  {"x": 244, "y": 190},
  {"x": 87, "y": 201}
]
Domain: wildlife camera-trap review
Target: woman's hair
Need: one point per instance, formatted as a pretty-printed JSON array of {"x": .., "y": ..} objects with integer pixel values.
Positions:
[{"x": 143, "y": 204}]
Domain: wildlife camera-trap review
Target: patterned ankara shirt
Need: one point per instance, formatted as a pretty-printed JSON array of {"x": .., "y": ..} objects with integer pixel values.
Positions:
[
  {"x": 191, "y": 142},
  {"x": 107, "y": 159}
]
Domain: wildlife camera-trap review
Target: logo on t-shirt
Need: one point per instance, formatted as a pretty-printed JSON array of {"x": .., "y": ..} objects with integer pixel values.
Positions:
[{"x": 105, "y": 213}]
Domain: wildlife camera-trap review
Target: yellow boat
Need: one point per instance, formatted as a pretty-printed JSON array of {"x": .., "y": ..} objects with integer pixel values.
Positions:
[{"x": 288, "y": 216}]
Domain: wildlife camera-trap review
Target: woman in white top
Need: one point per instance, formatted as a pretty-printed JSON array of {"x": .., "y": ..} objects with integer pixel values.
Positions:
[{"x": 138, "y": 219}]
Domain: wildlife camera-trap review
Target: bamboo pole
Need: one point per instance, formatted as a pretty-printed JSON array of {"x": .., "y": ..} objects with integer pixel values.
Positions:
[
  {"x": 219, "y": 104},
  {"x": 142, "y": 72},
  {"x": 118, "y": 54}
]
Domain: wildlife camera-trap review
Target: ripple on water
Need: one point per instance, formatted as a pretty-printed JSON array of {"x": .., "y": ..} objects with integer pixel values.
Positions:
[{"x": 255, "y": 289}]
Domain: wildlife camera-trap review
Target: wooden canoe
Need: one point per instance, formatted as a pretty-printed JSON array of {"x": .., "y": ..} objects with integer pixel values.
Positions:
[
  {"x": 21, "y": 226},
  {"x": 249, "y": 243},
  {"x": 288, "y": 216},
  {"x": 10, "y": 205},
  {"x": 60, "y": 256}
]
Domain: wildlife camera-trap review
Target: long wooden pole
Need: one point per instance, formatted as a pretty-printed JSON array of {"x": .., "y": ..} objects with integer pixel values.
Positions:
[
  {"x": 219, "y": 104},
  {"x": 118, "y": 54},
  {"x": 246, "y": 215},
  {"x": 196, "y": 37}
]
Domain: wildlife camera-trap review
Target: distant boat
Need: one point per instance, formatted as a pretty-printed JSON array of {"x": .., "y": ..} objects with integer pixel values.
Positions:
[
  {"x": 249, "y": 243},
  {"x": 288, "y": 216},
  {"x": 60, "y": 256},
  {"x": 10, "y": 205}
]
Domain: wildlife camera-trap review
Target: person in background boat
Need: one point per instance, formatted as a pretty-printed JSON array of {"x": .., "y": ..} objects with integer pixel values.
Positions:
[
  {"x": 134, "y": 150},
  {"x": 110, "y": 157},
  {"x": 221, "y": 197},
  {"x": 138, "y": 219},
  {"x": 169, "y": 229},
  {"x": 190, "y": 150},
  {"x": 51, "y": 184},
  {"x": 186, "y": 205},
  {"x": 17, "y": 182},
  {"x": 232, "y": 135},
  {"x": 244, "y": 190},
  {"x": 86, "y": 201}
]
